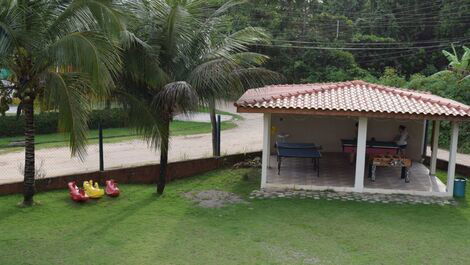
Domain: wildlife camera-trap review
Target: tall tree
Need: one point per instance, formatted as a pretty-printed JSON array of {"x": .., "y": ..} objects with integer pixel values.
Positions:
[
  {"x": 58, "y": 52},
  {"x": 183, "y": 58},
  {"x": 222, "y": 65}
]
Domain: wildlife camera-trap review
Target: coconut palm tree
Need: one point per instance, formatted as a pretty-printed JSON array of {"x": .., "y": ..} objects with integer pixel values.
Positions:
[
  {"x": 224, "y": 68},
  {"x": 181, "y": 57},
  {"x": 58, "y": 52}
]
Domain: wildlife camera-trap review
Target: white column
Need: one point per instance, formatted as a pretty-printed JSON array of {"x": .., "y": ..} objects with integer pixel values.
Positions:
[
  {"x": 452, "y": 156},
  {"x": 266, "y": 148},
  {"x": 435, "y": 147},
  {"x": 360, "y": 154}
]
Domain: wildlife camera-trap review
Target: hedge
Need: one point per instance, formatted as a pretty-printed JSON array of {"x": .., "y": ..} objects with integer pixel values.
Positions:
[{"x": 47, "y": 122}]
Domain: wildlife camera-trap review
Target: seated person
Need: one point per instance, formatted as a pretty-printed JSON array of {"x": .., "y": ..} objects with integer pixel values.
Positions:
[{"x": 401, "y": 139}]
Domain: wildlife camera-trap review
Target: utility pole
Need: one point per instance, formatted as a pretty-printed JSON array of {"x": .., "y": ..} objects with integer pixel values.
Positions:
[{"x": 337, "y": 29}]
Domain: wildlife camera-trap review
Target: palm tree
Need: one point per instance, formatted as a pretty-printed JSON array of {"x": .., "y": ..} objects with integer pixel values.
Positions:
[
  {"x": 58, "y": 52},
  {"x": 224, "y": 68},
  {"x": 181, "y": 58},
  {"x": 459, "y": 66}
]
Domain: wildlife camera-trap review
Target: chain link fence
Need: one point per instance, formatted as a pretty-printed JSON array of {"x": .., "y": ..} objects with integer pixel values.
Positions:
[{"x": 121, "y": 148}]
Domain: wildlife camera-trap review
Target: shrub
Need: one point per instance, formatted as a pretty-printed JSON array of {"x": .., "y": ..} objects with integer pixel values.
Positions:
[{"x": 47, "y": 122}]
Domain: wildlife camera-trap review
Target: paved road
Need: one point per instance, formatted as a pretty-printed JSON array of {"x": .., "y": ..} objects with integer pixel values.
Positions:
[{"x": 247, "y": 137}]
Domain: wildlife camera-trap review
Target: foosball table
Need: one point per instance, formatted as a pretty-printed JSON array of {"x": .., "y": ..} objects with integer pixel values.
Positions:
[{"x": 390, "y": 161}]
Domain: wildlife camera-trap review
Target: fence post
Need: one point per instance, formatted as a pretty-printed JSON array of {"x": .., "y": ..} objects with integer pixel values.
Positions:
[
  {"x": 219, "y": 128},
  {"x": 100, "y": 130}
]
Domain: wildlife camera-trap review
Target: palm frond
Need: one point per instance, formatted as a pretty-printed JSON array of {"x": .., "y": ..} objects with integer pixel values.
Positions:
[
  {"x": 86, "y": 15},
  {"x": 142, "y": 117},
  {"x": 226, "y": 7},
  {"x": 240, "y": 41},
  {"x": 176, "y": 97},
  {"x": 67, "y": 92},
  {"x": 87, "y": 52}
]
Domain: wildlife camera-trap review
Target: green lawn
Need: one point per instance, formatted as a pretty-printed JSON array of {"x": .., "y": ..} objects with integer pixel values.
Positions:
[
  {"x": 139, "y": 228},
  {"x": 113, "y": 135}
]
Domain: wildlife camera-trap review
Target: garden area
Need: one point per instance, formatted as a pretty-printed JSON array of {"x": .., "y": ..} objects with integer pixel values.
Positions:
[
  {"x": 140, "y": 228},
  {"x": 134, "y": 68}
]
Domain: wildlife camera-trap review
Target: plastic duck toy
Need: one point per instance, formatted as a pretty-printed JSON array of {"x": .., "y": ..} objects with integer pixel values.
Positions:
[
  {"x": 93, "y": 192},
  {"x": 77, "y": 194},
  {"x": 112, "y": 189}
]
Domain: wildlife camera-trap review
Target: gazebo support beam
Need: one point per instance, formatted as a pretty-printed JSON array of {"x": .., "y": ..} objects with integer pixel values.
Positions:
[
  {"x": 435, "y": 147},
  {"x": 361, "y": 154},
  {"x": 266, "y": 148},
  {"x": 452, "y": 158}
]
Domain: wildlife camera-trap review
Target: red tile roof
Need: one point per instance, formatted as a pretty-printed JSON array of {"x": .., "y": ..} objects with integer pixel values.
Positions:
[{"x": 351, "y": 96}]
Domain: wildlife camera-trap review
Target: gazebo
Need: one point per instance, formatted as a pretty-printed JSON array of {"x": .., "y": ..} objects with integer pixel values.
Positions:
[{"x": 319, "y": 121}]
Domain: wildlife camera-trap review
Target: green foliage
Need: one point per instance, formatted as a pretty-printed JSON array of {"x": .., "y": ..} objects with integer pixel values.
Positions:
[
  {"x": 48, "y": 122},
  {"x": 447, "y": 84},
  {"x": 389, "y": 24},
  {"x": 390, "y": 77}
]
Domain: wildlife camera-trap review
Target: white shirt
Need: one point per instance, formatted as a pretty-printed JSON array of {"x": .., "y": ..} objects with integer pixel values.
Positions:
[{"x": 403, "y": 138}]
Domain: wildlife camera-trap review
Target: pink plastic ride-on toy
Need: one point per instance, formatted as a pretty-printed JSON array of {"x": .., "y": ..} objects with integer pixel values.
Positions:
[
  {"x": 77, "y": 194},
  {"x": 112, "y": 189}
]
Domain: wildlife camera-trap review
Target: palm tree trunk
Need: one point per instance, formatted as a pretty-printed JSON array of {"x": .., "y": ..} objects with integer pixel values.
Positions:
[
  {"x": 163, "y": 157},
  {"x": 214, "y": 127},
  {"x": 29, "y": 167}
]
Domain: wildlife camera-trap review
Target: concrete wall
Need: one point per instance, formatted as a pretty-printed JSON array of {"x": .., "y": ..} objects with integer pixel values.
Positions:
[{"x": 328, "y": 131}]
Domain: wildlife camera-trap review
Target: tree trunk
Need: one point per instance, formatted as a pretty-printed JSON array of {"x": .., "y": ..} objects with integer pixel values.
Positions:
[
  {"x": 29, "y": 166},
  {"x": 214, "y": 127},
  {"x": 163, "y": 157}
]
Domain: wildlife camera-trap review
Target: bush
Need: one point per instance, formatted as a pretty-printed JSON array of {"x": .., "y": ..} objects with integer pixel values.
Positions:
[{"x": 47, "y": 122}]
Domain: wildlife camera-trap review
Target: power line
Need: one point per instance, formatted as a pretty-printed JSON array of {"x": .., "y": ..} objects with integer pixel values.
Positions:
[
  {"x": 374, "y": 43},
  {"x": 391, "y": 12},
  {"x": 358, "y": 48},
  {"x": 393, "y": 57}
]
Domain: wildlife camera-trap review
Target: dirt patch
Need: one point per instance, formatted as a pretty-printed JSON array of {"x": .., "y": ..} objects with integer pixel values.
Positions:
[
  {"x": 290, "y": 256},
  {"x": 213, "y": 198}
]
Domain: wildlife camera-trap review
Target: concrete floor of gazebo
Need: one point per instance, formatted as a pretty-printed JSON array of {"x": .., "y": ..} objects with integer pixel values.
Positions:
[{"x": 336, "y": 173}]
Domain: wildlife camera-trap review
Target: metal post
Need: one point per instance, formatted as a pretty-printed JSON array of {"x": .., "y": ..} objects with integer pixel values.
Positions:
[
  {"x": 100, "y": 129},
  {"x": 219, "y": 128}
]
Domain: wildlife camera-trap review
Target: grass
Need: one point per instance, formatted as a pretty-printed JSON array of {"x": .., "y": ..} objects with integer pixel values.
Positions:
[
  {"x": 112, "y": 135},
  {"x": 139, "y": 228}
]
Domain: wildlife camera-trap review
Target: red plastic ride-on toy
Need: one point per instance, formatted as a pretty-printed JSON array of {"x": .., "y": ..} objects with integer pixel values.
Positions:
[
  {"x": 77, "y": 194},
  {"x": 112, "y": 189}
]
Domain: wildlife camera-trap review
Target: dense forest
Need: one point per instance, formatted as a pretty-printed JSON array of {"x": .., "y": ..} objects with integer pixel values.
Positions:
[
  {"x": 334, "y": 40},
  {"x": 393, "y": 42}
]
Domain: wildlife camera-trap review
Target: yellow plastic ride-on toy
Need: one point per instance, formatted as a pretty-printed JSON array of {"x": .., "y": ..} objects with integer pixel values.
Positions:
[{"x": 93, "y": 191}]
